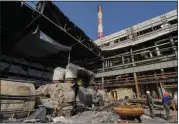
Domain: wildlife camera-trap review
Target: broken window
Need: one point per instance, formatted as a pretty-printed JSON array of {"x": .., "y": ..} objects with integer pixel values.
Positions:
[
  {"x": 106, "y": 44},
  {"x": 157, "y": 27},
  {"x": 123, "y": 38},
  {"x": 175, "y": 21},
  {"x": 138, "y": 33},
  {"x": 116, "y": 41}
]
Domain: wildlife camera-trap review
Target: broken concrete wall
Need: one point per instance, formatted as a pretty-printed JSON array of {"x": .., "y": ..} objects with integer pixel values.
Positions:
[
  {"x": 122, "y": 92},
  {"x": 61, "y": 92},
  {"x": 108, "y": 98}
]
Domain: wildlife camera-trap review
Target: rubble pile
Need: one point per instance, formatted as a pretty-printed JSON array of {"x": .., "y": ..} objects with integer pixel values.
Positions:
[
  {"x": 148, "y": 119},
  {"x": 95, "y": 117},
  {"x": 60, "y": 97}
]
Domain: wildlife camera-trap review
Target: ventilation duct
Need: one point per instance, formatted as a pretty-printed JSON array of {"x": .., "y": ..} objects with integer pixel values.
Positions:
[
  {"x": 38, "y": 44},
  {"x": 74, "y": 71}
]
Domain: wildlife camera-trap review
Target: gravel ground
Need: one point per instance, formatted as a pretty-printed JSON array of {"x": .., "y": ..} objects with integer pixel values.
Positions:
[
  {"x": 95, "y": 117},
  {"x": 107, "y": 116},
  {"x": 160, "y": 116},
  {"x": 110, "y": 117},
  {"x": 148, "y": 119}
]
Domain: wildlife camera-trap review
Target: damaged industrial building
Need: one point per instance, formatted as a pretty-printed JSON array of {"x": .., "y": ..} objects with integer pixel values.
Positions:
[{"x": 51, "y": 71}]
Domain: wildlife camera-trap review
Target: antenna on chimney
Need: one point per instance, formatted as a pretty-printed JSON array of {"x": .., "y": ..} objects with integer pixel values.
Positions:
[{"x": 100, "y": 24}]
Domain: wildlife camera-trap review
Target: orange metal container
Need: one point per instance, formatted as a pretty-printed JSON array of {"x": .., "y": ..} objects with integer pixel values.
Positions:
[{"x": 128, "y": 110}]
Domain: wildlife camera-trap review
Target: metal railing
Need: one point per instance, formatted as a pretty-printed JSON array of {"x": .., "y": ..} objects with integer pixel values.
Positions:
[
  {"x": 153, "y": 60},
  {"x": 130, "y": 80}
]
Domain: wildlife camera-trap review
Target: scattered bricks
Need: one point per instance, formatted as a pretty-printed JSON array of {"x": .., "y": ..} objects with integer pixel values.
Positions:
[
  {"x": 123, "y": 121},
  {"x": 174, "y": 115}
]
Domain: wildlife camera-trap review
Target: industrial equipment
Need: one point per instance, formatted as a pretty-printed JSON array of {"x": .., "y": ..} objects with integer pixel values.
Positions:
[
  {"x": 67, "y": 97},
  {"x": 17, "y": 98}
]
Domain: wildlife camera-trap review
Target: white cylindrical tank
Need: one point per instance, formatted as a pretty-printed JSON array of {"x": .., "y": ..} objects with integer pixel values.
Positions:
[{"x": 59, "y": 74}]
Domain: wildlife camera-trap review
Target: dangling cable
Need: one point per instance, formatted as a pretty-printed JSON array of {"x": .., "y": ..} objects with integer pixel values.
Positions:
[{"x": 69, "y": 57}]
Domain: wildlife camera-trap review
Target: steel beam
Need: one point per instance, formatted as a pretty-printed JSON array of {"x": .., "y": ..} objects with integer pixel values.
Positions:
[
  {"x": 95, "y": 51},
  {"x": 135, "y": 75},
  {"x": 141, "y": 83},
  {"x": 167, "y": 64}
]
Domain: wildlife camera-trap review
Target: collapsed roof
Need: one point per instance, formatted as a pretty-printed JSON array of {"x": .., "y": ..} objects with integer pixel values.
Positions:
[{"x": 55, "y": 34}]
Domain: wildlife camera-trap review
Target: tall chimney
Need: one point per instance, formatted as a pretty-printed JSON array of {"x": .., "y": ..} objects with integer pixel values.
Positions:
[{"x": 100, "y": 24}]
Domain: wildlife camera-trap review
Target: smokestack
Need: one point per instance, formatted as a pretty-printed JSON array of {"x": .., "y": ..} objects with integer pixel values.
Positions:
[{"x": 100, "y": 24}]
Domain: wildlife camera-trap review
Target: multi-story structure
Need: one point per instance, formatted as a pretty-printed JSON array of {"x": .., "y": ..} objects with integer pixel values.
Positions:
[
  {"x": 36, "y": 40},
  {"x": 143, "y": 56}
]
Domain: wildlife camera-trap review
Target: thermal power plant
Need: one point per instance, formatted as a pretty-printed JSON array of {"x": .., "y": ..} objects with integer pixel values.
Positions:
[
  {"x": 142, "y": 57},
  {"x": 52, "y": 72},
  {"x": 100, "y": 23}
]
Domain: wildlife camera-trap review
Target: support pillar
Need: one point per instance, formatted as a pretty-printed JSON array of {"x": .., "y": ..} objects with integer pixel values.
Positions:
[
  {"x": 174, "y": 47},
  {"x": 128, "y": 60},
  {"x": 122, "y": 59},
  {"x": 159, "y": 54},
  {"x": 135, "y": 75},
  {"x": 157, "y": 50},
  {"x": 159, "y": 91},
  {"x": 103, "y": 77},
  {"x": 162, "y": 89},
  {"x": 105, "y": 62},
  {"x": 150, "y": 53},
  {"x": 110, "y": 63}
]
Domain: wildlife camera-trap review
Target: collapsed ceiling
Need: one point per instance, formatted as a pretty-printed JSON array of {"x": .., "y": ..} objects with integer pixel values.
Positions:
[{"x": 56, "y": 36}]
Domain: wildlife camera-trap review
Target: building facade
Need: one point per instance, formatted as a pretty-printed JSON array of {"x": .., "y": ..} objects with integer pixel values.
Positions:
[{"x": 143, "y": 57}]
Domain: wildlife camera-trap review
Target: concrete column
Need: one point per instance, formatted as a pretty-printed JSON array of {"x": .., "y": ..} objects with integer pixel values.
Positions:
[
  {"x": 135, "y": 75},
  {"x": 158, "y": 51},
  {"x": 105, "y": 63},
  {"x": 159, "y": 92},
  {"x": 110, "y": 63},
  {"x": 150, "y": 53},
  {"x": 158, "y": 54},
  {"x": 128, "y": 59},
  {"x": 174, "y": 47},
  {"x": 122, "y": 59}
]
